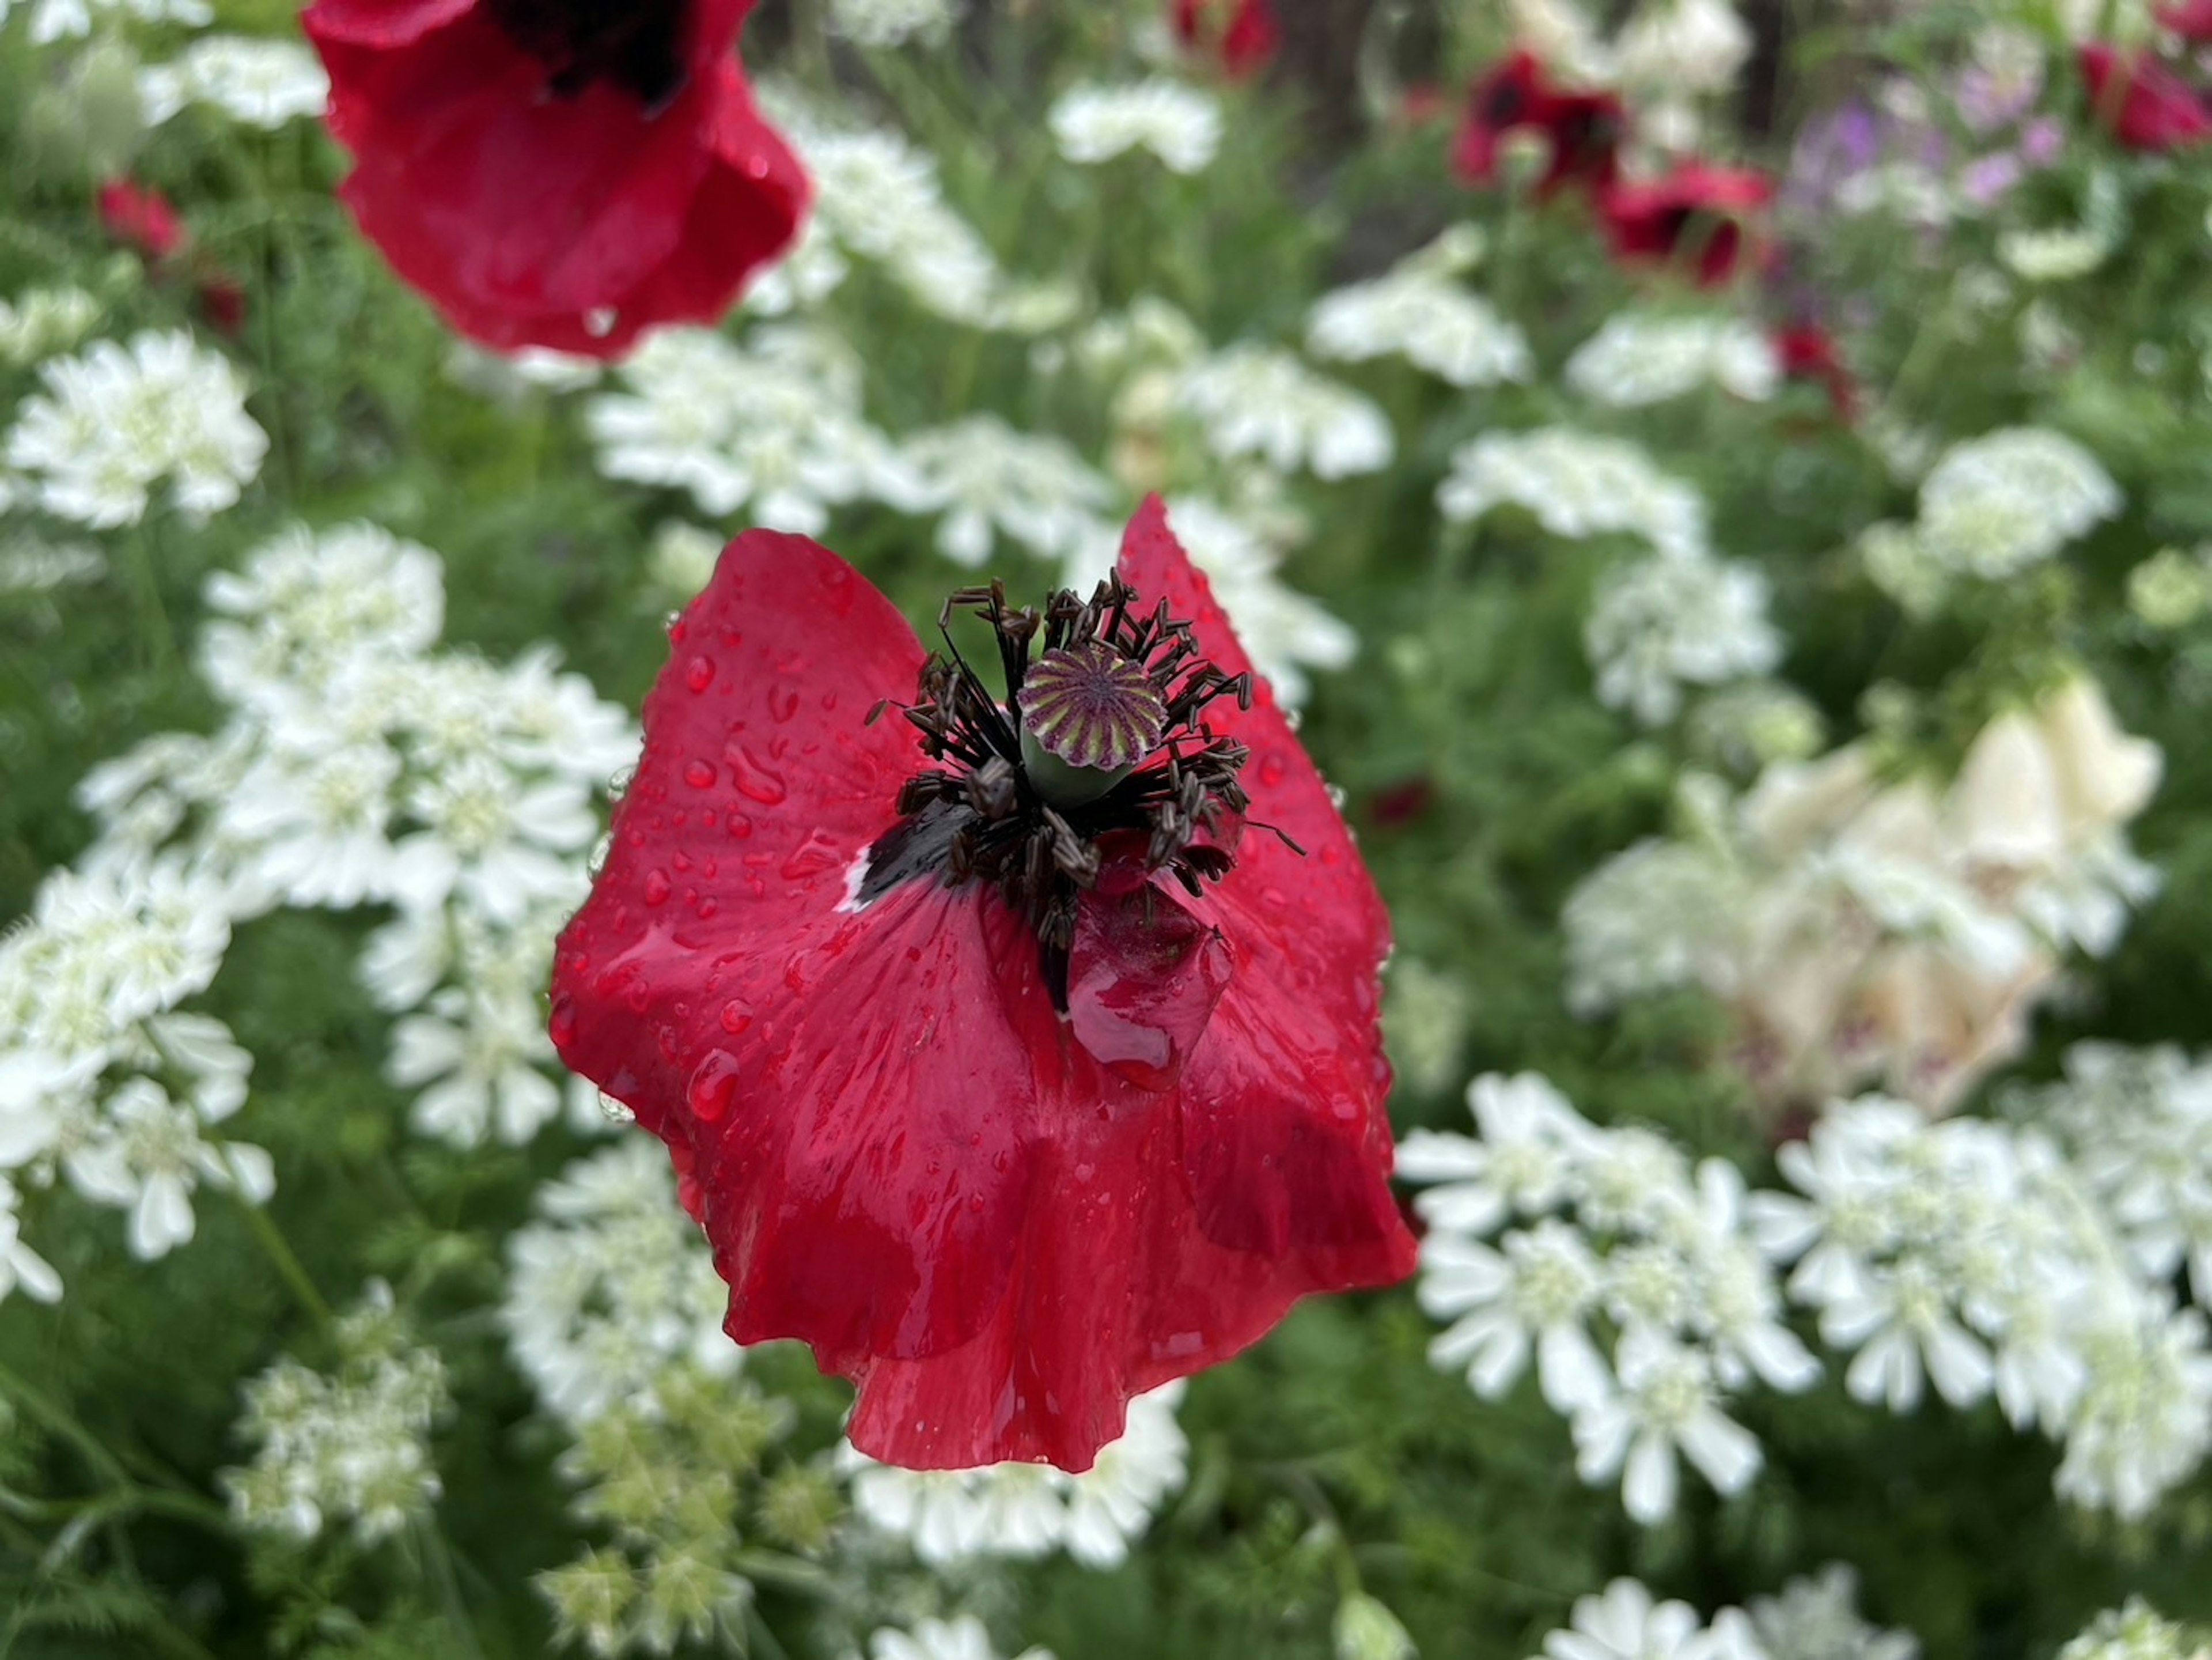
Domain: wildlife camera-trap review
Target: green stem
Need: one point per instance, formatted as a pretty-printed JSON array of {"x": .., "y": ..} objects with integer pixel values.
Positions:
[
  {"x": 440, "y": 1561},
  {"x": 57, "y": 1418},
  {"x": 288, "y": 1264}
]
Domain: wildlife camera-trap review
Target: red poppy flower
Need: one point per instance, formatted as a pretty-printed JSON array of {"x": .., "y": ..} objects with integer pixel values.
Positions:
[
  {"x": 1244, "y": 45},
  {"x": 2145, "y": 104},
  {"x": 1584, "y": 128},
  {"x": 558, "y": 173},
  {"x": 139, "y": 217},
  {"x": 1808, "y": 352},
  {"x": 2189, "y": 19},
  {"x": 1696, "y": 209},
  {"x": 1004, "y": 1063}
]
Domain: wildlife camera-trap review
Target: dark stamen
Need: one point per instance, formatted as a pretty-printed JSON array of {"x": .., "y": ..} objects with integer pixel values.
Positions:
[
  {"x": 1123, "y": 693},
  {"x": 637, "y": 44}
]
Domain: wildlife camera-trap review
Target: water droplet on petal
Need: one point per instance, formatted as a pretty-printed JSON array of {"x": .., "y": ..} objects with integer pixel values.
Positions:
[
  {"x": 699, "y": 673},
  {"x": 1270, "y": 770},
  {"x": 714, "y": 1084},
  {"x": 783, "y": 701},
  {"x": 738, "y": 826},
  {"x": 756, "y": 781},
  {"x": 613, "y": 1111},
  {"x": 692, "y": 1197},
  {"x": 818, "y": 853},
  {"x": 563, "y": 1026},
  {"x": 737, "y": 1015},
  {"x": 700, "y": 775},
  {"x": 657, "y": 887}
]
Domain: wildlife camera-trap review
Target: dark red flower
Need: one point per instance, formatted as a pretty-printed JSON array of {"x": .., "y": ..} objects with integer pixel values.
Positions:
[
  {"x": 1583, "y": 128},
  {"x": 139, "y": 217},
  {"x": 1808, "y": 352},
  {"x": 2189, "y": 19},
  {"x": 1012, "y": 1111},
  {"x": 2144, "y": 105},
  {"x": 1244, "y": 43},
  {"x": 558, "y": 173},
  {"x": 1695, "y": 209}
]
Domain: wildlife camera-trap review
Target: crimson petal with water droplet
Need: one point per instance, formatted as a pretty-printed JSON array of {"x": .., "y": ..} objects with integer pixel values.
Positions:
[{"x": 1000, "y": 1221}]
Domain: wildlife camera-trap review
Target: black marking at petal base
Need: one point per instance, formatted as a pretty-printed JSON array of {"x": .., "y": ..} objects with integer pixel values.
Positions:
[
  {"x": 640, "y": 45},
  {"x": 918, "y": 845}
]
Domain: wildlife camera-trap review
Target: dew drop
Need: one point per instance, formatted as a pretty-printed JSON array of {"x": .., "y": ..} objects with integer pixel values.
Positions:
[
  {"x": 657, "y": 887},
  {"x": 699, "y": 673},
  {"x": 618, "y": 786},
  {"x": 1274, "y": 898},
  {"x": 613, "y": 1111},
  {"x": 737, "y": 1015},
  {"x": 713, "y": 1083},
  {"x": 783, "y": 701},
  {"x": 700, "y": 775},
  {"x": 829, "y": 701},
  {"x": 738, "y": 826},
  {"x": 816, "y": 853},
  {"x": 1270, "y": 772},
  {"x": 707, "y": 907},
  {"x": 1331, "y": 854},
  {"x": 756, "y": 781},
  {"x": 563, "y": 1026},
  {"x": 691, "y": 1196}
]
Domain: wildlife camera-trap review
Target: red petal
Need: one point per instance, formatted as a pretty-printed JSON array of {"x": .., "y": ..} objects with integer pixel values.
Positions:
[
  {"x": 758, "y": 788},
  {"x": 1143, "y": 975}
]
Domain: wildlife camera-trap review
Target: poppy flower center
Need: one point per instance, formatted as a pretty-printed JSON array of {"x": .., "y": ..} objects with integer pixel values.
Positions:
[
  {"x": 1095, "y": 769},
  {"x": 636, "y": 45}
]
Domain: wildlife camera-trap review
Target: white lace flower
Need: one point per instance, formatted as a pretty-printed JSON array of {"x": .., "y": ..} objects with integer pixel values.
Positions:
[
  {"x": 351, "y": 1446},
  {"x": 1577, "y": 485},
  {"x": 2136, "y": 1632},
  {"x": 985, "y": 476},
  {"x": 886, "y": 23},
  {"x": 20, "y": 1266},
  {"x": 1179, "y": 125},
  {"x": 43, "y": 321},
  {"x": 1666, "y": 1404},
  {"x": 479, "y": 1054},
  {"x": 773, "y": 427},
  {"x": 1627, "y": 1623},
  {"x": 2010, "y": 499},
  {"x": 963, "y": 1639},
  {"x": 1258, "y": 401},
  {"x": 2144, "y": 1422},
  {"x": 1025, "y": 1511},
  {"x": 56, "y": 20},
  {"x": 1419, "y": 311},
  {"x": 1523, "y": 1164},
  {"x": 613, "y": 1285},
  {"x": 1640, "y": 358},
  {"x": 1535, "y": 1297},
  {"x": 1666, "y": 623},
  {"x": 1816, "y": 1617},
  {"x": 148, "y": 1157},
  {"x": 261, "y": 81},
  {"x": 115, "y": 421}
]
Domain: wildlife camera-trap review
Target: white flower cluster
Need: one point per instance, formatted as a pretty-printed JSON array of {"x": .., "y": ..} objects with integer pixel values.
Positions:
[
  {"x": 350, "y": 1446},
  {"x": 43, "y": 321},
  {"x": 1667, "y": 55},
  {"x": 1968, "y": 1256},
  {"x": 104, "y": 1079},
  {"x": 361, "y": 765},
  {"x": 31, "y": 564},
  {"x": 773, "y": 427},
  {"x": 1260, "y": 401},
  {"x": 1628, "y": 1623},
  {"x": 1179, "y": 125},
  {"x": 56, "y": 20},
  {"x": 1640, "y": 358},
  {"x": 259, "y": 82},
  {"x": 1665, "y": 622},
  {"x": 877, "y": 197},
  {"x": 2137, "y": 1631},
  {"x": 1601, "y": 1232},
  {"x": 1576, "y": 484},
  {"x": 1818, "y": 1617},
  {"x": 2137, "y": 1125},
  {"x": 1285, "y": 632},
  {"x": 115, "y": 421},
  {"x": 961, "y": 1639},
  {"x": 1990, "y": 507},
  {"x": 1419, "y": 311},
  {"x": 986, "y": 477},
  {"x": 1868, "y": 930},
  {"x": 1025, "y": 1511},
  {"x": 611, "y": 1286},
  {"x": 885, "y": 23}
]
